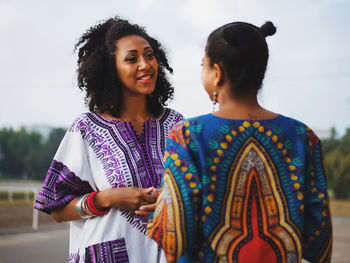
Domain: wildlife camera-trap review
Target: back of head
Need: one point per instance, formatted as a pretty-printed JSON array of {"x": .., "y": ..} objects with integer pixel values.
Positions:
[{"x": 242, "y": 52}]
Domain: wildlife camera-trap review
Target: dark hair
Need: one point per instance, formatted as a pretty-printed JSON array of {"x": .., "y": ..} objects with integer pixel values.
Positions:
[
  {"x": 97, "y": 74},
  {"x": 241, "y": 51}
]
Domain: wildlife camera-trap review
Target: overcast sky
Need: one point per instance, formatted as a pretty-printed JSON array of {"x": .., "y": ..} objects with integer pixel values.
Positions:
[{"x": 308, "y": 76}]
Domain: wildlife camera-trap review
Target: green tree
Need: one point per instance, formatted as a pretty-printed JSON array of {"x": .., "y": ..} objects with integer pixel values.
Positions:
[
  {"x": 38, "y": 161},
  {"x": 337, "y": 160},
  {"x": 27, "y": 153},
  {"x": 15, "y": 145}
]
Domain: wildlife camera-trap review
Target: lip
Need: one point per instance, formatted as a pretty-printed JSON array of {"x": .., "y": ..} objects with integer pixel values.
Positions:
[{"x": 145, "y": 81}]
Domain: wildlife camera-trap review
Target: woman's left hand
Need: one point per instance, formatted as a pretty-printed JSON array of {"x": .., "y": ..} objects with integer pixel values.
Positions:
[{"x": 147, "y": 209}]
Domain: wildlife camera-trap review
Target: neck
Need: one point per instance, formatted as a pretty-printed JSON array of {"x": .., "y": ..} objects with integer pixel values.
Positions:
[
  {"x": 135, "y": 109},
  {"x": 227, "y": 100},
  {"x": 243, "y": 107}
]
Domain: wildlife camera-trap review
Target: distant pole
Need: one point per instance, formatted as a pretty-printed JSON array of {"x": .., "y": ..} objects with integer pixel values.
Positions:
[
  {"x": 35, "y": 214},
  {"x": 10, "y": 195},
  {"x": 26, "y": 195}
]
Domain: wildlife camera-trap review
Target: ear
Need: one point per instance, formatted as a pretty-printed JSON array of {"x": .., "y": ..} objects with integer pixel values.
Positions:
[{"x": 219, "y": 75}]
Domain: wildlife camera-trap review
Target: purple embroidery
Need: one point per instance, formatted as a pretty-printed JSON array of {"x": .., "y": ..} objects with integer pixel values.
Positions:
[
  {"x": 137, "y": 221},
  {"x": 60, "y": 186},
  {"x": 74, "y": 257},
  {"x": 127, "y": 158},
  {"x": 110, "y": 251},
  {"x": 98, "y": 137}
]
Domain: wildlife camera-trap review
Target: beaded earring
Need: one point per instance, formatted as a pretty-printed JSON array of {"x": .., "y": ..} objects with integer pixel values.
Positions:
[{"x": 215, "y": 100}]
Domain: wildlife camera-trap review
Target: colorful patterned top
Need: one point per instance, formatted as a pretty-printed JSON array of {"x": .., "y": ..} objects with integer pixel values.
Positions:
[
  {"x": 98, "y": 153},
  {"x": 243, "y": 191}
]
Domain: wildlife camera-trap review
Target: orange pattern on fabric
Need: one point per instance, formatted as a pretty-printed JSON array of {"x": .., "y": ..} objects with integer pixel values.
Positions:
[
  {"x": 167, "y": 224},
  {"x": 178, "y": 136},
  {"x": 239, "y": 226},
  {"x": 256, "y": 249}
]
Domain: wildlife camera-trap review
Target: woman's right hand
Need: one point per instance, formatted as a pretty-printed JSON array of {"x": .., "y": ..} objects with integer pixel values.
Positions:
[
  {"x": 148, "y": 209},
  {"x": 124, "y": 198}
]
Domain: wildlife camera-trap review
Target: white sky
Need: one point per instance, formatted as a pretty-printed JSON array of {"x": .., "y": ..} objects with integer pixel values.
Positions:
[{"x": 308, "y": 75}]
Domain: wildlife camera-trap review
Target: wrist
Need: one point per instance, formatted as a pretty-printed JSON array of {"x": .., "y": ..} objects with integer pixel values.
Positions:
[{"x": 102, "y": 201}]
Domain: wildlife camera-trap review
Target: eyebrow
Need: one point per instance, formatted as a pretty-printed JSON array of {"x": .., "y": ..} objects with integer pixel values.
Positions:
[{"x": 135, "y": 51}]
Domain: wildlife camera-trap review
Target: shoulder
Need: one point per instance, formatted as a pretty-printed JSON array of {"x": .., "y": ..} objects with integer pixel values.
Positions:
[
  {"x": 168, "y": 119},
  {"x": 186, "y": 123},
  {"x": 82, "y": 122},
  {"x": 170, "y": 114},
  {"x": 189, "y": 128},
  {"x": 299, "y": 128}
]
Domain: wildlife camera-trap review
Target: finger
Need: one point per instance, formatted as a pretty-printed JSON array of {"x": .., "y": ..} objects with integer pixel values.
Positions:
[
  {"x": 155, "y": 193},
  {"x": 147, "y": 190},
  {"x": 150, "y": 207},
  {"x": 143, "y": 213},
  {"x": 149, "y": 198}
]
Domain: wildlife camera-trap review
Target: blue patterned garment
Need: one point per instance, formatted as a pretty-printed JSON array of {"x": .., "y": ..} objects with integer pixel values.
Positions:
[{"x": 243, "y": 191}]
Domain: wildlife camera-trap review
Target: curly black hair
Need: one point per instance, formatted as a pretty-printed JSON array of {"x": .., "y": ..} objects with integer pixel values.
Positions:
[{"x": 97, "y": 73}]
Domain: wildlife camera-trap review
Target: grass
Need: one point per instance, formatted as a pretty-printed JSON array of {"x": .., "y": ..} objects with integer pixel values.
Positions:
[
  {"x": 15, "y": 195},
  {"x": 340, "y": 207},
  {"x": 18, "y": 199}
]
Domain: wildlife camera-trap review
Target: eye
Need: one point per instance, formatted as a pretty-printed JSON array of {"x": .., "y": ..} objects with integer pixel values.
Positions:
[
  {"x": 149, "y": 55},
  {"x": 131, "y": 59}
]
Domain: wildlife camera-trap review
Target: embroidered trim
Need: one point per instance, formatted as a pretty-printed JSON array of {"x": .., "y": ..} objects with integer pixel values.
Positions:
[
  {"x": 128, "y": 159},
  {"x": 61, "y": 185},
  {"x": 110, "y": 251}
]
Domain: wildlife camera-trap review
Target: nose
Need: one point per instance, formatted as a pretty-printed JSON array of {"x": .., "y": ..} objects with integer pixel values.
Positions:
[{"x": 144, "y": 65}]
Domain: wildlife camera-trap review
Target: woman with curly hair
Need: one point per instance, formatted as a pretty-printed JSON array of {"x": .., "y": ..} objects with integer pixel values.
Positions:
[
  {"x": 242, "y": 184},
  {"x": 105, "y": 174}
]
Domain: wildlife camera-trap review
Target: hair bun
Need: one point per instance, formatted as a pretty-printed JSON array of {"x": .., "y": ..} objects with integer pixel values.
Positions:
[{"x": 268, "y": 29}]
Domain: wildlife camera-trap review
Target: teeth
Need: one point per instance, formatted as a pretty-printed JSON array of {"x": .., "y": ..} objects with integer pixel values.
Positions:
[{"x": 146, "y": 77}]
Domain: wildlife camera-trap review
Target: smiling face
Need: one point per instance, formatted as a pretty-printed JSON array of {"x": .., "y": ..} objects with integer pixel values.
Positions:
[{"x": 136, "y": 65}]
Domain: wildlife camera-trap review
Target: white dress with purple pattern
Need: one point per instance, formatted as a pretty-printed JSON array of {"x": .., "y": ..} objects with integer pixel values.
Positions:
[{"x": 98, "y": 153}]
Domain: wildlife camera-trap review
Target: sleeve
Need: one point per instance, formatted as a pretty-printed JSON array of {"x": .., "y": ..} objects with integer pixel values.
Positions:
[
  {"x": 179, "y": 117},
  {"x": 317, "y": 236},
  {"x": 175, "y": 118},
  {"x": 68, "y": 175},
  {"x": 174, "y": 223}
]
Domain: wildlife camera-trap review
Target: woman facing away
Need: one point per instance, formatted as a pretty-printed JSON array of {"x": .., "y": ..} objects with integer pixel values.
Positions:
[
  {"x": 110, "y": 161},
  {"x": 243, "y": 184}
]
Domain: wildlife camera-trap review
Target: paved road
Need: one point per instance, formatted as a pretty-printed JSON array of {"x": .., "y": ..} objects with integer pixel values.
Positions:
[
  {"x": 51, "y": 246},
  {"x": 341, "y": 236}
]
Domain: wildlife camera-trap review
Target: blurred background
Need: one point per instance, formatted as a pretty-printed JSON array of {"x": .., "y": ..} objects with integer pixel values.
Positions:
[{"x": 308, "y": 78}]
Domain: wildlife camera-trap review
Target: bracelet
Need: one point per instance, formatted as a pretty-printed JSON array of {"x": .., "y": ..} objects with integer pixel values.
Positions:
[
  {"x": 85, "y": 206},
  {"x": 91, "y": 205},
  {"x": 79, "y": 208}
]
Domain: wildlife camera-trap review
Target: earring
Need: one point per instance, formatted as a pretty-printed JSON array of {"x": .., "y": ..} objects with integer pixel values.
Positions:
[{"x": 215, "y": 100}]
